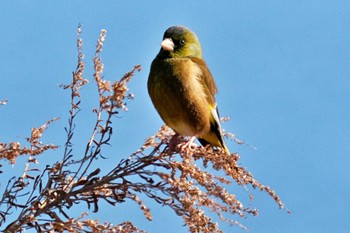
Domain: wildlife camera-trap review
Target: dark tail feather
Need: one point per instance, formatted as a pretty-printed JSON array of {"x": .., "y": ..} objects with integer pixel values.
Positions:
[
  {"x": 215, "y": 127},
  {"x": 203, "y": 141}
]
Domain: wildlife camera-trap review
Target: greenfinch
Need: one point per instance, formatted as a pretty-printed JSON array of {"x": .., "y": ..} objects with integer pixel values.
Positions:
[{"x": 183, "y": 90}]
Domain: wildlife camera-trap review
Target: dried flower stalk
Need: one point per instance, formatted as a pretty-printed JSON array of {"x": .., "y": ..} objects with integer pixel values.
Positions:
[{"x": 191, "y": 182}]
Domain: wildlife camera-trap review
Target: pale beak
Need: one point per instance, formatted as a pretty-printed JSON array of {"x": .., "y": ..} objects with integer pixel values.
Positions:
[{"x": 167, "y": 44}]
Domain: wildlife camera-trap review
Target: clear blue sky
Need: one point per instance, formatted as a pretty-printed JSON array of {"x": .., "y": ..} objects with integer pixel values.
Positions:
[{"x": 283, "y": 73}]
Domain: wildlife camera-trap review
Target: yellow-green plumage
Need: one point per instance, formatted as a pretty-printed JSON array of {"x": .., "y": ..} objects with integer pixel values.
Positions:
[{"x": 182, "y": 88}]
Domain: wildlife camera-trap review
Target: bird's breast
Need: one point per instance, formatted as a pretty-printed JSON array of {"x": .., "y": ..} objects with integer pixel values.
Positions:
[{"x": 178, "y": 94}]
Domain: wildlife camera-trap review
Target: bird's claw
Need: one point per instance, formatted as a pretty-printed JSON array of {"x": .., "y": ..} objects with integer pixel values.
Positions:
[{"x": 189, "y": 146}]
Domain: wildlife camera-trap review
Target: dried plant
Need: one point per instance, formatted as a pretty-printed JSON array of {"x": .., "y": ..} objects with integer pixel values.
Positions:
[{"x": 184, "y": 179}]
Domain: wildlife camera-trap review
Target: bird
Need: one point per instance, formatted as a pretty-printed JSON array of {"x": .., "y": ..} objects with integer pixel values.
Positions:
[{"x": 182, "y": 88}]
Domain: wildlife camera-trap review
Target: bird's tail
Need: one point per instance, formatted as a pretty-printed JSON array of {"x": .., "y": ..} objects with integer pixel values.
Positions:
[
  {"x": 219, "y": 143},
  {"x": 214, "y": 136}
]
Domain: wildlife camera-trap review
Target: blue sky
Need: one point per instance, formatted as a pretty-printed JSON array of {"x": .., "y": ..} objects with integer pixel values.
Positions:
[{"x": 282, "y": 69}]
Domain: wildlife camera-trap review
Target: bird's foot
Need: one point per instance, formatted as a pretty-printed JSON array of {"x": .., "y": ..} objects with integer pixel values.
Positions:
[
  {"x": 176, "y": 144},
  {"x": 189, "y": 146}
]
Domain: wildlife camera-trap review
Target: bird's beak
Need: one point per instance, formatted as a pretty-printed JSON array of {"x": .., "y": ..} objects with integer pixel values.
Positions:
[{"x": 167, "y": 44}]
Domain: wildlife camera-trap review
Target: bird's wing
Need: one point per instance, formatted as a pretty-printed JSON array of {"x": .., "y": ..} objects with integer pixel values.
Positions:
[
  {"x": 210, "y": 89},
  {"x": 207, "y": 80}
]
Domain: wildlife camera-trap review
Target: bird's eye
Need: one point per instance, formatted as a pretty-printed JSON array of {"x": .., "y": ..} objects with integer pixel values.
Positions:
[{"x": 182, "y": 42}]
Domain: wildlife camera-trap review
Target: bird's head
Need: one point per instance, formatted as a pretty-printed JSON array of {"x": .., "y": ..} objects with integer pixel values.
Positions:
[{"x": 180, "y": 41}]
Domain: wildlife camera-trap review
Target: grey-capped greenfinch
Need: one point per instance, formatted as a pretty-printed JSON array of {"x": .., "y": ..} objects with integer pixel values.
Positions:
[{"x": 183, "y": 90}]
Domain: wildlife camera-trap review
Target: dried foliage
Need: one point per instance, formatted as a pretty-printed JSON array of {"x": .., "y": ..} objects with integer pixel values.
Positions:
[
  {"x": 190, "y": 181},
  {"x": 10, "y": 151}
]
